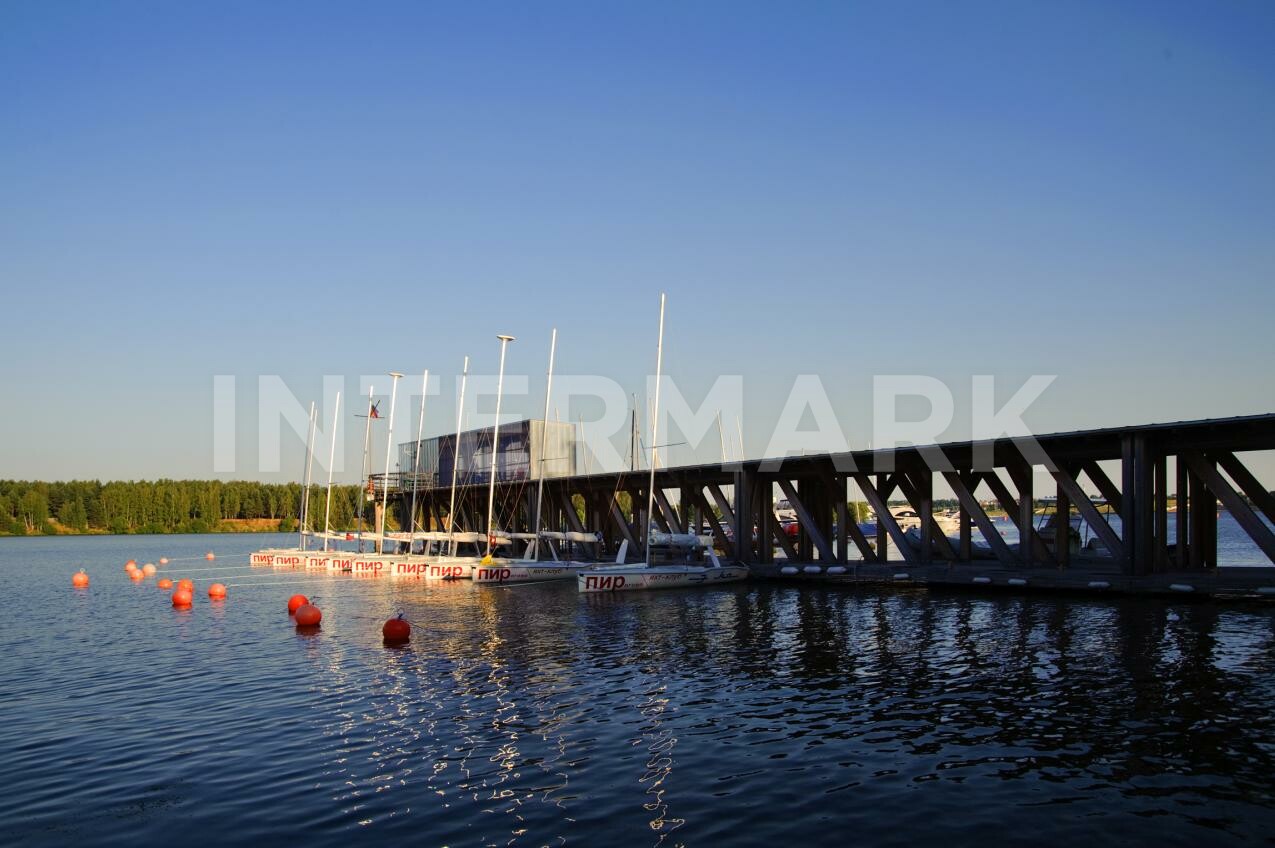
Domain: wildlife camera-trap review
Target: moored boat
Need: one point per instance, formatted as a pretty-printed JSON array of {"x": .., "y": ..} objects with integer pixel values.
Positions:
[{"x": 654, "y": 574}]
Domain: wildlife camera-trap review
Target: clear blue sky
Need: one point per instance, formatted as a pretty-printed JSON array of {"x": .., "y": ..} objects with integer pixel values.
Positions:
[{"x": 846, "y": 189}]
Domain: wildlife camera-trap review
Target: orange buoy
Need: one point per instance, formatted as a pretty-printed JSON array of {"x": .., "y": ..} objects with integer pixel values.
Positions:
[
  {"x": 80, "y": 580},
  {"x": 217, "y": 590},
  {"x": 187, "y": 584},
  {"x": 209, "y": 556},
  {"x": 397, "y": 631},
  {"x": 136, "y": 574},
  {"x": 132, "y": 563},
  {"x": 296, "y": 602},
  {"x": 182, "y": 598},
  {"x": 164, "y": 583},
  {"x": 163, "y": 560},
  {"x": 308, "y": 616},
  {"x": 148, "y": 569}
]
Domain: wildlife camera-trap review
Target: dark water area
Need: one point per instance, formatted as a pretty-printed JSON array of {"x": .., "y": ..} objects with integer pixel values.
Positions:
[{"x": 755, "y": 714}]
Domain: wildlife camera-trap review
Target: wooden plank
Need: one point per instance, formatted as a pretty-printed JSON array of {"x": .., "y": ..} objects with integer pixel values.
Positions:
[
  {"x": 843, "y": 534},
  {"x": 806, "y": 521},
  {"x": 569, "y": 510},
  {"x": 965, "y": 494},
  {"x": 1182, "y": 521},
  {"x": 671, "y": 518},
  {"x": 1062, "y": 525},
  {"x": 851, "y": 526},
  {"x": 1103, "y": 483},
  {"x": 719, "y": 535},
  {"x": 1248, "y": 484},
  {"x": 1026, "y": 536},
  {"x": 919, "y": 504},
  {"x": 623, "y": 526},
  {"x": 1090, "y": 513},
  {"x": 1161, "y": 514},
  {"x": 1238, "y": 507},
  {"x": 884, "y": 518}
]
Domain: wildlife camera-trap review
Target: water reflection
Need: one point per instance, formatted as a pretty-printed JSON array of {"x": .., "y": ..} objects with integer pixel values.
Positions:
[{"x": 751, "y": 714}]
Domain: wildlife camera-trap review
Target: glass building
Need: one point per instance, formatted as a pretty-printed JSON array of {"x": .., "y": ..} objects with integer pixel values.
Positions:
[{"x": 518, "y": 456}]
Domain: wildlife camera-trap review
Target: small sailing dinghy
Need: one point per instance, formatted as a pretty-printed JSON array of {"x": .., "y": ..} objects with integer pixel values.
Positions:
[{"x": 672, "y": 560}]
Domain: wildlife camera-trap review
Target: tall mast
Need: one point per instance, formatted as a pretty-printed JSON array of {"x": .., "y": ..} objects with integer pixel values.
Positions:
[
  {"x": 721, "y": 437},
  {"x": 416, "y": 461},
  {"x": 544, "y": 441},
  {"x": 327, "y": 514},
  {"x": 451, "y": 503},
  {"x": 367, "y": 434},
  {"x": 305, "y": 493},
  {"x": 385, "y": 481},
  {"x": 495, "y": 446},
  {"x": 655, "y": 433},
  {"x": 633, "y": 436}
]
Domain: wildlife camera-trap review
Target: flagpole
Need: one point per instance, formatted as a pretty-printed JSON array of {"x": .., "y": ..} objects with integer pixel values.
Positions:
[
  {"x": 416, "y": 462},
  {"x": 305, "y": 493},
  {"x": 367, "y": 434},
  {"x": 389, "y": 448},
  {"x": 327, "y": 513},
  {"x": 495, "y": 445},
  {"x": 544, "y": 443},
  {"x": 451, "y": 502}
]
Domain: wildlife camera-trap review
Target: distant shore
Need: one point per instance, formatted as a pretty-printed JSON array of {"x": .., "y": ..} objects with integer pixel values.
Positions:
[{"x": 226, "y": 525}]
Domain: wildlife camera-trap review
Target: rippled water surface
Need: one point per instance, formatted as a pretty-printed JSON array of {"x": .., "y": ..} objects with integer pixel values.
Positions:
[{"x": 759, "y": 714}]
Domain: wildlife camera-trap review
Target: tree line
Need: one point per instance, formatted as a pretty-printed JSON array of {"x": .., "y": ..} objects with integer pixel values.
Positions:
[{"x": 167, "y": 506}]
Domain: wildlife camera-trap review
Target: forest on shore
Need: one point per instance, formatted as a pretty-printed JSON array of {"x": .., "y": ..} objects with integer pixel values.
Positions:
[{"x": 32, "y": 508}]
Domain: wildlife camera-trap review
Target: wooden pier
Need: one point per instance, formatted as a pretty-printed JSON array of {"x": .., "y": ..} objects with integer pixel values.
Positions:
[{"x": 1198, "y": 465}]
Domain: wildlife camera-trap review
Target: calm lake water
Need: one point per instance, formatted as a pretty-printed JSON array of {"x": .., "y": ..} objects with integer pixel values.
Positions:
[{"x": 756, "y": 714}]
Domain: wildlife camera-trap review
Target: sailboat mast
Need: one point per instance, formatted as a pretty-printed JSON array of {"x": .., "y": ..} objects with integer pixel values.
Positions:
[
  {"x": 367, "y": 434},
  {"x": 385, "y": 481},
  {"x": 495, "y": 445},
  {"x": 451, "y": 503},
  {"x": 544, "y": 440},
  {"x": 633, "y": 436},
  {"x": 327, "y": 513},
  {"x": 416, "y": 461},
  {"x": 655, "y": 433},
  {"x": 305, "y": 492}
]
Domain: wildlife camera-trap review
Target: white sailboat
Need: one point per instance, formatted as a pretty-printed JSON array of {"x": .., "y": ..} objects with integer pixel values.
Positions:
[
  {"x": 450, "y": 566},
  {"x": 650, "y": 575},
  {"x": 293, "y": 557},
  {"x": 530, "y": 567}
]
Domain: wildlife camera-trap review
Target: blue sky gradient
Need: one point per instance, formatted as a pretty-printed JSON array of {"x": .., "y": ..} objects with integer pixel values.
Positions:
[{"x": 843, "y": 189}]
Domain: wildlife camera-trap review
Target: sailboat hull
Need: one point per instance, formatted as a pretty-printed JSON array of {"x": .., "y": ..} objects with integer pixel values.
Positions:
[
  {"x": 527, "y": 572},
  {"x": 638, "y": 578}
]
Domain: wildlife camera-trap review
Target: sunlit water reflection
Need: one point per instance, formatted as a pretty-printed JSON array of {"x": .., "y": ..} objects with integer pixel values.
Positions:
[{"x": 755, "y": 714}]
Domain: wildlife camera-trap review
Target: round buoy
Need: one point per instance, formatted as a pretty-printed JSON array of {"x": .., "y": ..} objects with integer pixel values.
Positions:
[
  {"x": 80, "y": 580},
  {"x": 217, "y": 590},
  {"x": 308, "y": 616},
  {"x": 209, "y": 556},
  {"x": 187, "y": 584},
  {"x": 136, "y": 574},
  {"x": 182, "y": 598},
  {"x": 148, "y": 569},
  {"x": 132, "y": 563},
  {"x": 164, "y": 583},
  {"x": 397, "y": 631},
  {"x": 163, "y": 560},
  {"x": 296, "y": 602}
]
